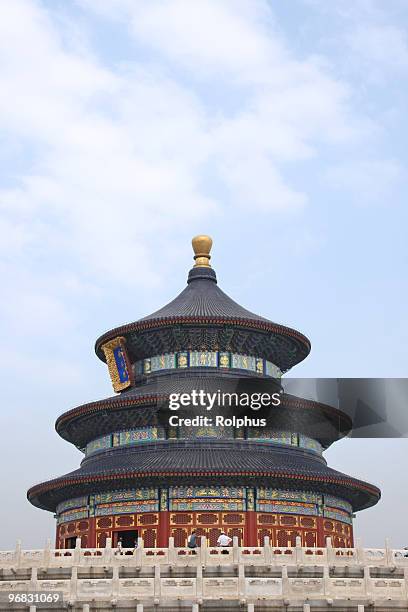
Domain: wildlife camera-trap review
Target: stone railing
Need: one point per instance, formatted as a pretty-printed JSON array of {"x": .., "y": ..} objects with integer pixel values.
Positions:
[{"x": 91, "y": 579}]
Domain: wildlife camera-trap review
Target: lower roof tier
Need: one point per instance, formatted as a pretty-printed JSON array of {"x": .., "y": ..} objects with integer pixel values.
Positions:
[{"x": 194, "y": 462}]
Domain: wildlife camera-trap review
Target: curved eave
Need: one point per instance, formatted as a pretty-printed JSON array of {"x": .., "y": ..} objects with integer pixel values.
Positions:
[
  {"x": 39, "y": 495},
  {"x": 177, "y": 462},
  {"x": 243, "y": 323},
  {"x": 109, "y": 404},
  {"x": 126, "y": 402}
]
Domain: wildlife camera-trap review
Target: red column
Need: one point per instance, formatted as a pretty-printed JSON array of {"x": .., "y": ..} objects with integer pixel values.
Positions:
[
  {"x": 250, "y": 538},
  {"x": 321, "y": 538},
  {"x": 92, "y": 533},
  {"x": 163, "y": 531}
]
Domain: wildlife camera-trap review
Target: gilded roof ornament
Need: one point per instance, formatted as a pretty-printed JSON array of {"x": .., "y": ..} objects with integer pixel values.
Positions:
[{"x": 202, "y": 246}]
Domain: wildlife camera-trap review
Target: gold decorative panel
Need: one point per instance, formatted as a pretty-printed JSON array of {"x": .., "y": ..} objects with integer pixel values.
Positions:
[
  {"x": 119, "y": 366},
  {"x": 125, "y": 520}
]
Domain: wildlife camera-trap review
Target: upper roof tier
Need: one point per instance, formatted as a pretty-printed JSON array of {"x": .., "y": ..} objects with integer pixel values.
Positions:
[{"x": 203, "y": 317}]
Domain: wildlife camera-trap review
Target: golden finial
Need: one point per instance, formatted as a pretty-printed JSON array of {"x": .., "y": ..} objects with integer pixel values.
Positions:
[{"x": 202, "y": 247}]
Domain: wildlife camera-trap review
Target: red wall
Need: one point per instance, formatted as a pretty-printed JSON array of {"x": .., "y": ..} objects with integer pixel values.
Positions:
[{"x": 250, "y": 527}]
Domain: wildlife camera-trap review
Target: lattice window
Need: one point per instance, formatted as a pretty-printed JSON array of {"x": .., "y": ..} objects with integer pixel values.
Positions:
[
  {"x": 101, "y": 538},
  {"x": 125, "y": 521},
  {"x": 104, "y": 522},
  {"x": 266, "y": 519},
  {"x": 235, "y": 531},
  {"x": 261, "y": 535},
  {"x": 71, "y": 528},
  {"x": 147, "y": 519},
  {"x": 200, "y": 531},
  {"x": 339, "y": 542},
  {"x": 180, "y": 536},
  {"x": 309, "y": 538},
  {"x": 282, "y": 538},
  {"x": 288, "y": 520},
  {"x": 149, "y": 538},
  {"x": 207, "y": 519},
  {"x": 181, "y": 519},
  {"x": 328, "y": 525},
  {"x": 307, "y": 522},
  {"x": 232, "y": 519},
  {"x": 83, "y": 526},
  {"x": 213, "y": 536}
]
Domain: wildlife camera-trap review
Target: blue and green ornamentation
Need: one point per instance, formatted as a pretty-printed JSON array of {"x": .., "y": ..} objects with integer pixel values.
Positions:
[
  {"x": 214, "y": 505},
  {"x": 77, "y": 502},
  {"x": 189, "y": 433},
  {"x": 182, "y": 360},
  {"x": 337, "y": 515},
  {"x": 263, "y": 434},
  {"x": 203, "y": 359},
  {"x": 227, "y": 492},
  {"x": 335, "y": 502},
  {"x": 206, "y": 359},
  {"x": 134, "y": 436},
  {"x": 73, "y": 515},
  {"x": 282, "y": 495},
  {"x": 126, "y": 495},
  {"x": 98, "y": 444},
  {"x": 124, "y": 438},
  {"x": 127, "y": 508},
  {"x": 310, "y": 444},
  {"x": 163, "y": 362},
  {"x": 287, "y": 507},
  {"x": 200, "y": 498}
]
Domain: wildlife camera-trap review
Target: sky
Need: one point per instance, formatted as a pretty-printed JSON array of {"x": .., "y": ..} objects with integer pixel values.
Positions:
[{"x": 279, "y": 128}]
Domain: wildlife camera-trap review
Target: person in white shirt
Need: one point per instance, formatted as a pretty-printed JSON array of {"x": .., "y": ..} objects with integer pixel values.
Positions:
[{"x": 223, "y": 541}]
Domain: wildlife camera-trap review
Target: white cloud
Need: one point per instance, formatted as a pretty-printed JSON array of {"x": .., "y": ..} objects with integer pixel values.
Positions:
[
  {"x": 371, "y": 181},
  {"x": 221, "y": 37},
  {"x": 255, "y": 179},
  {"x": 225, "y": 36},
  {"x": 370, "y": 36},
  {"x": 121, "y": 154},
  {"x": 381, "y": 48}
]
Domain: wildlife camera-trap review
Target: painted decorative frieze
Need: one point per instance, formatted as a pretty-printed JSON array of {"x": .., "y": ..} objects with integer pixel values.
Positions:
[
  {"x": 227, "y": 492},
  {"x": 210, "y": 504},
  {"x": 206, "y": 359}
]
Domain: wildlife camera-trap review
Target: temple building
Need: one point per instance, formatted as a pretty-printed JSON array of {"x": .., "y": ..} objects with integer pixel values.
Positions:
[{"x": 142, "y": 478}]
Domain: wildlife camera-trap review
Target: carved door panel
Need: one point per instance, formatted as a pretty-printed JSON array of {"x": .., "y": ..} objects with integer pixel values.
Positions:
[
  {"x": 180, "y": 535},
  {"x": 235, "y": 531},
  {"x": 212, "y": 536},
  {"x": 309, "y": 538},
  {"x": 286, "y": 537},
  {"x": 265, "y": 532},
  {"x": 101, "y": 537},
  {"x": 149, "y": 536}
]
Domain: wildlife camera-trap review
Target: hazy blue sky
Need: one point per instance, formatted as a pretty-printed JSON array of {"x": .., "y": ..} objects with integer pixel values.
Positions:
[{"x": 129, "y": 126}]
